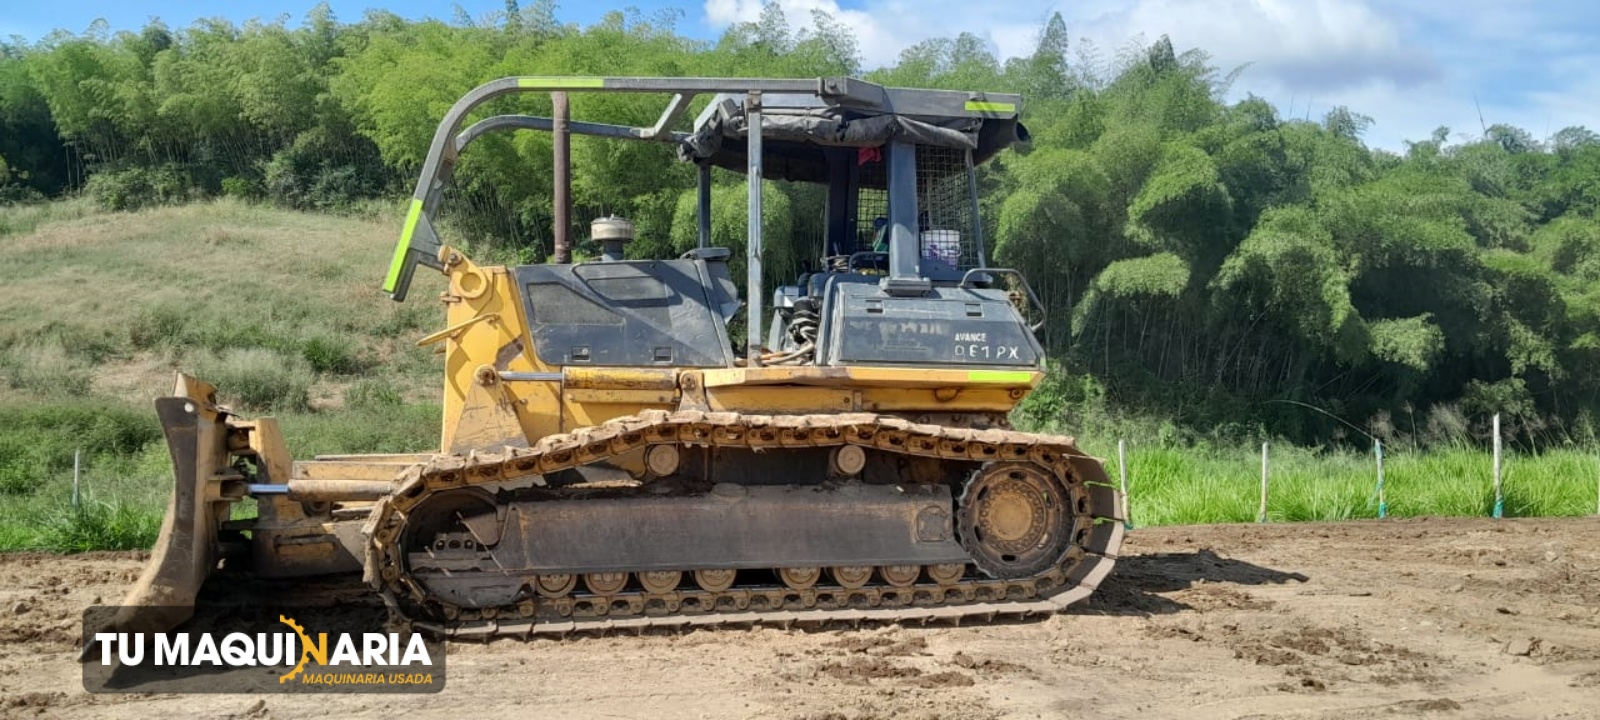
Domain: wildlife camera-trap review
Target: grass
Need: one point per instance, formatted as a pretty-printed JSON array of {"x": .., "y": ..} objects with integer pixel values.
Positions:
[
  {"x": 1170, "y": 486},
  {"x": 100, "y": 525},
  {"x": 1185, "y": 476},
  {"x": 279, "y": 309},
  {"x": 125, "y": 488},
  {"x": 123, "y": 498},
  {"x": 20, "y": 219},
  {"x": 259, "y": 379},
  {"x": 213, "y": 276}
]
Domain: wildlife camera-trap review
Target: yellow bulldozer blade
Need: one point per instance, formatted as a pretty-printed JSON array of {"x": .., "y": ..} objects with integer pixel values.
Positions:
[{"x": 204, "y": 487}]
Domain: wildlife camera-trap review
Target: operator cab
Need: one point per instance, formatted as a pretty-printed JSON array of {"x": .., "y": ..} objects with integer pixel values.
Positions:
[{"x": 902, "y": 277}]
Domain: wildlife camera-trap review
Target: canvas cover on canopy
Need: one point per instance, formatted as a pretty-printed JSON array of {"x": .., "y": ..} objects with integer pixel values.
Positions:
[{"x": 798, "y": 131}]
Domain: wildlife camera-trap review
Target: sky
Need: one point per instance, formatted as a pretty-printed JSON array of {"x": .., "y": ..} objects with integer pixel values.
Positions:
[{"x": 1411, "y": 66}]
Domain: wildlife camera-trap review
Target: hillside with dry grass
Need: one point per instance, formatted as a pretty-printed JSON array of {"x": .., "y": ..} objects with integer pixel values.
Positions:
[
  {"x": 112, "y": 303},
  {"x": 279, "y": 308}
]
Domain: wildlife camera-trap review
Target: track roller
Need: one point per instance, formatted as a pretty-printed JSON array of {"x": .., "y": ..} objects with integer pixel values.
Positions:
[
  {"x": 554, "y": 586},
  {"x": 851, "y": 577},
  {"x": 660, "y": 582},
  {"x": 800, "y": 578},
  {"x": 715, "y": 580},
  {"x": 900, "y": 575},
  {"x": 605, "y": 583}
]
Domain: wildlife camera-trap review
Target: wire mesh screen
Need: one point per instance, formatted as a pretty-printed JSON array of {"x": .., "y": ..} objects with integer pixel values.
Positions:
[
  {"x": 872, "y": 204},
  {"x": 945, "y": 212}
]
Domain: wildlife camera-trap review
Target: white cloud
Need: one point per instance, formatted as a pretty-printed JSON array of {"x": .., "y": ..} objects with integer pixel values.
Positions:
[
  {"x": 1293, "y": 38},
  {"x": 1411, "y": 66},
  {"x": 1481, "y": 62},
  {"x": 1311, "y": 44},
  {"x": 883, "y": 28},
  {"x": 871, "y": 35}
]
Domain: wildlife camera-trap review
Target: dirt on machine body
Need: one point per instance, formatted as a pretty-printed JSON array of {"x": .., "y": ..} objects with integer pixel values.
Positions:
[{"x": 614, "y": 455}]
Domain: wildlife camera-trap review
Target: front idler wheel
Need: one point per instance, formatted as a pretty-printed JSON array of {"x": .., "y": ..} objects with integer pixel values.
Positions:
[{"x": 446, "y": 539}]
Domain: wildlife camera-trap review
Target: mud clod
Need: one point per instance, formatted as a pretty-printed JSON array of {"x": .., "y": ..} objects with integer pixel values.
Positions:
[{"x": 1522, "y": 647}]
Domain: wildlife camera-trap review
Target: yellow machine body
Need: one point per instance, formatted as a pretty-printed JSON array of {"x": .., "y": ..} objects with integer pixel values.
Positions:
[{"x": 484, "y": 319}]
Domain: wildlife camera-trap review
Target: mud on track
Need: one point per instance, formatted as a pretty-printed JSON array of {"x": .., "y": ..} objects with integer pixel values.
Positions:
[{"x": 1412, "y": 618}]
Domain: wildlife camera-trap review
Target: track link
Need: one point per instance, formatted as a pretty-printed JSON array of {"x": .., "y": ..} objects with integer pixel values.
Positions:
[{"x": 1095, "y": 508}]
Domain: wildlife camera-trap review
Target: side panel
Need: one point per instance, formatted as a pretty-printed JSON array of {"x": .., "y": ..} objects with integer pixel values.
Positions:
[
  {"x": 733, "y": 526},
  {"x": 484, "y": 328},
  {"x": 625, "y": 314},
  {"x": 947, "y": 327}
]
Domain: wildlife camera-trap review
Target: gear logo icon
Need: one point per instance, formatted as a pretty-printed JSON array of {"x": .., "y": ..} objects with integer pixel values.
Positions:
[{"x": 305, "y": 649}]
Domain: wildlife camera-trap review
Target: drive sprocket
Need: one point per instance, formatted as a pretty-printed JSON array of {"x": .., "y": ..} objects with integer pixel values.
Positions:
[{"x": 1015, "y": 520}]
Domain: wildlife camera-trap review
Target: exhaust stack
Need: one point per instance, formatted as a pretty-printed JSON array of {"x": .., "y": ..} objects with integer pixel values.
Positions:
[{"x": 562, "y": 141}]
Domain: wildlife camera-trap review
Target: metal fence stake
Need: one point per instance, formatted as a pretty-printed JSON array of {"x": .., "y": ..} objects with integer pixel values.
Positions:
[
  {"x": 1383, "y": 501},
  {"x": 77, "y": 471},
  {"x": 1499, "y": 497},
  {"x": 1122, "y": 468},
  {"x": 1261, "y": 515}
]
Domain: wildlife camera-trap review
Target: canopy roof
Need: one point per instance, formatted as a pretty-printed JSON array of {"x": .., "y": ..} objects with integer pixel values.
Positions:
[{"x": 798, "y": 131}]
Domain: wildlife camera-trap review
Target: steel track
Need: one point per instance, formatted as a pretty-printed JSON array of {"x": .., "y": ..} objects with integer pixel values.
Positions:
[{"x": 1096, "y": 508}]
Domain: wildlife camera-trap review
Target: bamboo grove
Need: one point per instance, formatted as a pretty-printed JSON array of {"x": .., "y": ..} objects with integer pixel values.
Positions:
[{"x": 1205, "y": 261}]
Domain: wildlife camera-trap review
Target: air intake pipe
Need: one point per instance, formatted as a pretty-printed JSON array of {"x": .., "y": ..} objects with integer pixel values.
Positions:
[{"x": 612, "y": 233}]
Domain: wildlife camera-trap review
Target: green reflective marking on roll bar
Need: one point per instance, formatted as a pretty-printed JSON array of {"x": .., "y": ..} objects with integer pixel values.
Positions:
[
  {"x": 552, "y": 81},
  {"x": 399, "y": 261},
  {"x": 997, "y": 107}
]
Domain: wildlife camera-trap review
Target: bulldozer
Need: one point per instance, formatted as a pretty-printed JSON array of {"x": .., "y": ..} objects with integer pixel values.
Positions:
[{"x": 613, "y": 455}]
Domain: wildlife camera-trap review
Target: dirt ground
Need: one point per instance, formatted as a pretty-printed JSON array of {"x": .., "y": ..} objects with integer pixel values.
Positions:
[{"x": 1412, "y": 618}]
